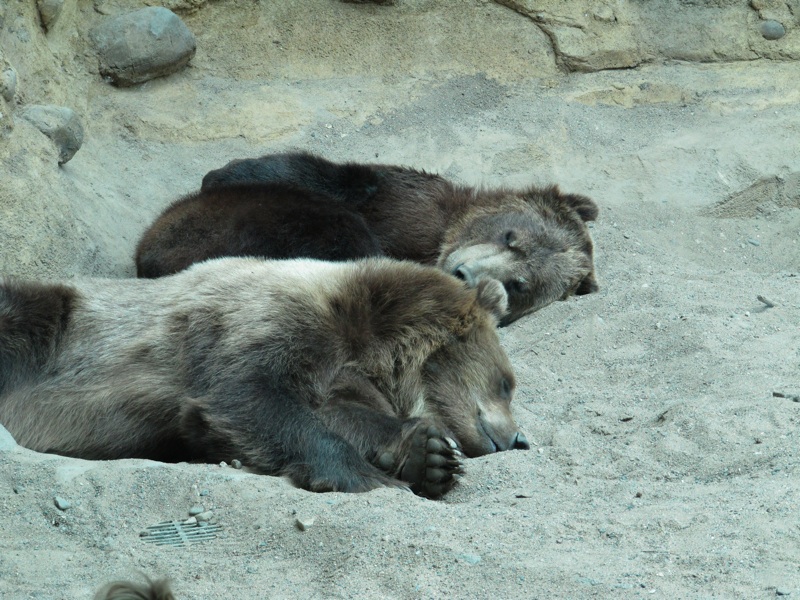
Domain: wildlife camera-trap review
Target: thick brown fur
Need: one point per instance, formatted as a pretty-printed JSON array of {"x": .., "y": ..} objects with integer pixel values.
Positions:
[
  {"x": 341, "y": 376},
  {"x": 248, "y": 220},
  {"x": 534, "y": 240}
]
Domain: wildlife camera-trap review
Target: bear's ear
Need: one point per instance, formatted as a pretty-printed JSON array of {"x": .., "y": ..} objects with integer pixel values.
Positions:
[
  {"x": 588, "y": 285},
  {"x": 585, "y": 207},
  {"x": 492, "y": 297}
]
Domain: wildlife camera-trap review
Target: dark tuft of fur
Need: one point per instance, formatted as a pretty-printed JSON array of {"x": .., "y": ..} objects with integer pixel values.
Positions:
[
  {"x": 130, "y": 590},
  {"x": 33, "y": 318},
  {"x": 585, "y": 207}
]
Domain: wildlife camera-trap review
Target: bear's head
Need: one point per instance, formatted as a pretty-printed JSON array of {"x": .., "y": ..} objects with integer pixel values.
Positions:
[
  {"x": 468, "y": 381},
  {"x": 536, "y": 244}
]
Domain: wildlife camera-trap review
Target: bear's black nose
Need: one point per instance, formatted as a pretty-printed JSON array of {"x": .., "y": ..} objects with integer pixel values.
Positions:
[
  {"x": 521, "y": 442},
  {"x": 465, "y": 274}
]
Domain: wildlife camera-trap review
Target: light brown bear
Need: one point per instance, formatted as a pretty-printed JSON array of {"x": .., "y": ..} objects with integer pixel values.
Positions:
[
  {"x": 535, "y": 241},
  {"x": 341, "y": 376}
]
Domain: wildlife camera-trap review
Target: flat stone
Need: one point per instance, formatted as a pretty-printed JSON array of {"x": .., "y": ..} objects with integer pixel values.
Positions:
[
  {"x": 772, "y": 30},
  {"x": 142, "y": 45},
  {"x": 60, "y": 124},
  {"x": 62, "y": 503},
  {"x": 196, "y": 510}
]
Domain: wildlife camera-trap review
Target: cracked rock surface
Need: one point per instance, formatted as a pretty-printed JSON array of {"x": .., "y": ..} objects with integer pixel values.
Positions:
[{"x": 592, "y": 36}]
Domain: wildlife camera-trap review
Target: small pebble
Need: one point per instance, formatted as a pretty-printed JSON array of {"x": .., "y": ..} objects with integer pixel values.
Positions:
[
  {"x": 782, "y": 592},
  {"x": 196, "y": 510},
  {"x": 204, "y": 516},
  {"x": 223, "y": 464},
  {"x": 49, "y": 10},
  {"x": 470, "y": 559},
  {"x": 8, "y": 81},
  {"x": 763, "y": 299},
  {"x": 61, "y": 503},
  {"x": 304, "y": 523},
  {"x": 604, "y": 13},
  {"x": 190, "y": 521},
  {"x": 236, "y": 464},
  {"x": 792, "y": 397},
  {"x": 753, "y": 242},
  {"x": 772, "y": 30},
  {"x": 204, "y": 493}
]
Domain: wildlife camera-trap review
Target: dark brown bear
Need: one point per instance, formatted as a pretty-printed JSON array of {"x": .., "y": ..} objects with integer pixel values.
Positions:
[
  {"x": 535, "y": 241},
  {"x": 342, "y": 376}
]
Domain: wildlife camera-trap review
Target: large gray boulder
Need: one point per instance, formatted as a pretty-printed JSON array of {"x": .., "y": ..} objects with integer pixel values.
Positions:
[{"x": 142, "y": 45}]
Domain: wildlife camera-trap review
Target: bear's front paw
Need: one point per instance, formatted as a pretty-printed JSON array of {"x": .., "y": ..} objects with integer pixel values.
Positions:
[{"x": 433, "y": 462}]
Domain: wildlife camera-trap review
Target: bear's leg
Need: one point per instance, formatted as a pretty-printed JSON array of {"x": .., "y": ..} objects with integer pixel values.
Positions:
[
  {"x": 416, "y": 451},
  {"x": 280, "y": 436}
]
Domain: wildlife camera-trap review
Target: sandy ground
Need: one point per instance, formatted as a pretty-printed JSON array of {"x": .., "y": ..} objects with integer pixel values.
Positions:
[{"x": 663, "y": 464}]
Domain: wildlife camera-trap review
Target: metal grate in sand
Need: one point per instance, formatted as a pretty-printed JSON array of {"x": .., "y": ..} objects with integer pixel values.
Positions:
[{"x": 175, "y": 533}]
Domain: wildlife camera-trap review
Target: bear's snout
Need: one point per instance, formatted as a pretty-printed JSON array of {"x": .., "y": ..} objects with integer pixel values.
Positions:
[
  {"x": 520, "y": 442},
  {"x": 495, "y": 437},
  {"x": 465, "y": 274}
]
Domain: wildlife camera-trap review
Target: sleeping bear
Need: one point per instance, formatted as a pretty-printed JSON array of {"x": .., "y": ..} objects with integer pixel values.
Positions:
[
  {"x": 535, "y": 241},
  {"x": 342, "y": 376}
]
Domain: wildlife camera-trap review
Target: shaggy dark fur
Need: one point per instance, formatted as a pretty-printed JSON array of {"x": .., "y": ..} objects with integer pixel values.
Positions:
[
  {"x": 535, "y": 240},
  {"x": 131, "y": 590},
  {"x": 351, "y": 182},
  {"x": 250, "y": 220},
  {"x": 341, "y": 376}
]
